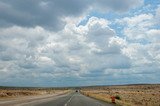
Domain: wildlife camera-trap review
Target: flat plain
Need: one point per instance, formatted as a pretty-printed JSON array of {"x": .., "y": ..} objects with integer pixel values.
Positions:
[
  {"x": 9, "y": 92},
  {"x": 127, "y": 95}
]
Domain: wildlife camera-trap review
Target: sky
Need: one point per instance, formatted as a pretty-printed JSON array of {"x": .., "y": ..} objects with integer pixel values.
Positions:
[{"x": 57, "y": 43}]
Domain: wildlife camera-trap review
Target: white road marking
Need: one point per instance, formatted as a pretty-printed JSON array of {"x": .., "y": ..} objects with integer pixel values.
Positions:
[{"x": 68, "y": 101}]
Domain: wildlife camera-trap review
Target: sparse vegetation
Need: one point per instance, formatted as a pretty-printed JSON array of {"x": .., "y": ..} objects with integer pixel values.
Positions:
[
  {"x": 132, "y": 95},
  {"x": 17, "y": 92},
  {"x": 118, "y": 97}
]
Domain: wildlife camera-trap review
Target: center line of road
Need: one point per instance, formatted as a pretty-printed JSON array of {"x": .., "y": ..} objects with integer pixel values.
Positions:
[{"x": 68, "y": 100}]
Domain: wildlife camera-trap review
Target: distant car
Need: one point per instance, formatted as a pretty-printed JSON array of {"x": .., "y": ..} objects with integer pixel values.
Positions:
[{"x": 76, "y": 90}]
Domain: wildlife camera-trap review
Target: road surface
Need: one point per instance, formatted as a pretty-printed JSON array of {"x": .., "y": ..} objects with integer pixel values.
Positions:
[{"x": 71, "y": 99}]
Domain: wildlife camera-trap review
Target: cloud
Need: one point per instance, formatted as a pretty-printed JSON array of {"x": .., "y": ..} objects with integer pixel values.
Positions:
[
  {"x": 157, "y": 16},
  {"x": 45, "y": 13},
  {"x": 153, "y": 35},
  {"x": 46, "y": 44},
  {"x": 117, "y": 5},
  {"x": 49, "y": 14},
  {"x": 72, "y": 52},
  {"x": 137, "y": 20},
  {"x": 142, "y": 43}
]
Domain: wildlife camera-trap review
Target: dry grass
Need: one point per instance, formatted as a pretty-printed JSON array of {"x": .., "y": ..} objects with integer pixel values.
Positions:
[
  {"x": 135, "y": 95},
  {"x": 9, "y": 93}
]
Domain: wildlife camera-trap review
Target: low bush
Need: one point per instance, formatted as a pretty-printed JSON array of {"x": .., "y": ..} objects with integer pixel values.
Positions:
[{"x": 118, "y": 97}]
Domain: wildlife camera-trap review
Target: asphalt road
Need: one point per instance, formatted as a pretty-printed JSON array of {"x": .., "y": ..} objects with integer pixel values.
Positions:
[
  {"x": 74, "y": 99},
  {"x": 70, "y": 99}
]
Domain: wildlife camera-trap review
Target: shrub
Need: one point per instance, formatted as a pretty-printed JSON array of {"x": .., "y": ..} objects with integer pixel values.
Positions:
[{"x": 118, "y": 97}]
